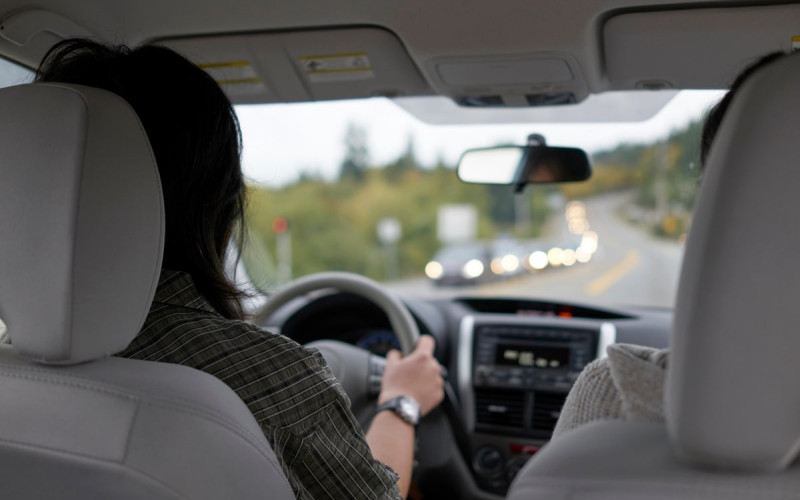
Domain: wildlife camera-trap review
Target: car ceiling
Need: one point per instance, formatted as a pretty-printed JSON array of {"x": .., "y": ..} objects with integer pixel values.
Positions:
[{"x": 603, "y": 44}]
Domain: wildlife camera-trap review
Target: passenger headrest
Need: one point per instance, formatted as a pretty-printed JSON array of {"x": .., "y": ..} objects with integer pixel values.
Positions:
[
  {"x": 81, "y": 222},
  {"x": 733, "y": 399}
]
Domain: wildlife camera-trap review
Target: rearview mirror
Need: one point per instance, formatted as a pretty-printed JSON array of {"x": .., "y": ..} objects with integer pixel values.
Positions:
[{"x": 522, "y": 165}]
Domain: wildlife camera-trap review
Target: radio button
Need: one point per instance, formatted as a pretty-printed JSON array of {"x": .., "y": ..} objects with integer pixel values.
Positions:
[
  {"x": 488, "y": 461},
  {"x": 522, "y": 449},
  {"x": 514, "y": 467}
]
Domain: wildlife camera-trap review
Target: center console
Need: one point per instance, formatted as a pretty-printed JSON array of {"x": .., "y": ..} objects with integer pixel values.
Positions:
[{"x": 514, "y": 375}]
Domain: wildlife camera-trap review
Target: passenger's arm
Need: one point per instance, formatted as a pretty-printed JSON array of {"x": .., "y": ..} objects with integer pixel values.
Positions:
[{"x": 418, "y": 375}]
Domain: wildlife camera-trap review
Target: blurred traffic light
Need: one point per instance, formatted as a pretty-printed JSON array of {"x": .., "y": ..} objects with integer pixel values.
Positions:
[{"x": 280, "y": 225}]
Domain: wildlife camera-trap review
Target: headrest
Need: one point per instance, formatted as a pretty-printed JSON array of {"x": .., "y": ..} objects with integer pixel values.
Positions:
[
  {"x": 733, "y": 399},
  {"x": 81, "y": 222}
]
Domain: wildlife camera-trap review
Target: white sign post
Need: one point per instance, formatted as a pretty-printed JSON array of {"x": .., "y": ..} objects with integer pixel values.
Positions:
[
  {"x": 457, "y": 223},
  {"x": 389, "y": 233}
]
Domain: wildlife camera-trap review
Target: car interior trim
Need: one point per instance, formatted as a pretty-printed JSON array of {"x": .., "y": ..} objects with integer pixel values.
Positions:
[
  {"x": 608, "y": 336},
  {"x": 465, "y": 371}
]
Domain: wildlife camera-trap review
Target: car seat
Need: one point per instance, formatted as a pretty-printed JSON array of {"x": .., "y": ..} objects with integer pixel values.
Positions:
[
  {"x": 732, "y": 404},
  {"x": 81, "y": 240}
]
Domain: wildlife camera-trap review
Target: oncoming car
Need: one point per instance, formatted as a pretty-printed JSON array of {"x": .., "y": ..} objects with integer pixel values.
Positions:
[
  {"x": 460, "y": 264},
  {"x": 353, "y": 119}
]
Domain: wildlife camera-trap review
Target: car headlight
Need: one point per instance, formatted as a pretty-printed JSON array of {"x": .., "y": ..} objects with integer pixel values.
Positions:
[
  {"x": 472, "y": 269},
  {"x": 589, "y": 242},
  {"x": 568, "y": 257},
  {"x": 510, "y": 263},
  {"x": 555, "y": 256},
  {"x": 434, "y": 270},
  {"x": 538, "y": 260}
]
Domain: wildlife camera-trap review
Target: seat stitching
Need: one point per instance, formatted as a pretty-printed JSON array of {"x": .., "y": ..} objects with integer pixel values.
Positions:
[
  {"x": 93, "y": 458},
  {"x": 143, "y": 398}
]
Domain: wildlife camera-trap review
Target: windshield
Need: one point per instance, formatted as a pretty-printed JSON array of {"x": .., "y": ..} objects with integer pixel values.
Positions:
[
  {"x": 13, "y": 74},
  {"x": 363, "y": 186}
]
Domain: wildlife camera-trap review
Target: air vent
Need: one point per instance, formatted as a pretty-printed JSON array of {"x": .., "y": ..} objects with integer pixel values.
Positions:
[
  {"x": 500, "y": 408},
  {"x": 546, "y": 409}
]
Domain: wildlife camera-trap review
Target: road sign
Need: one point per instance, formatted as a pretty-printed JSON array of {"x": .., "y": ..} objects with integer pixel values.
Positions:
[{"x": 389, "y": 230}]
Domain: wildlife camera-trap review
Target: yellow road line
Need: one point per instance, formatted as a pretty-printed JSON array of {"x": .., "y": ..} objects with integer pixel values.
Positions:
[{"x": 613, "y": 275}]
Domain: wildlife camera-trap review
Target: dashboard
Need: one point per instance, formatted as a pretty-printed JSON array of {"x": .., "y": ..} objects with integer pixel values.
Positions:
[{"x": 510, "y": 366}]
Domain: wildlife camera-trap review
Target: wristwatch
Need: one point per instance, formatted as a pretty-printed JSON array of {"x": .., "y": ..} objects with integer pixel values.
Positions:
[{"x": 404, "y": 407}]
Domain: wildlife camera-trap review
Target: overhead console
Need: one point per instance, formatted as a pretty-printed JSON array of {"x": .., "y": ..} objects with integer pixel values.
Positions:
[
  {"x": 530, "y": 80},
  {"x": 694, "y": 48},
  {"x": 309, "y": 65}
]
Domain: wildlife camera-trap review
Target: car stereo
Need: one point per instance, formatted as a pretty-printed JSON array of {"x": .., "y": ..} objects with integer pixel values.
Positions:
[
  {"x": 531, "y": 357},
  {"x": 514, "y": 375}
]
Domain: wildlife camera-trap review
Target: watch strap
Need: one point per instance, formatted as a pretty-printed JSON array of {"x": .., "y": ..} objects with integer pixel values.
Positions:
[{"x": 396, "y": 405}]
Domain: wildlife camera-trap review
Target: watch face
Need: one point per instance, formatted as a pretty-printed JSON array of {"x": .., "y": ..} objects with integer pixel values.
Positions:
[
  {"x": 405, "y": 407},
  {"x": 410, "y": 409}
]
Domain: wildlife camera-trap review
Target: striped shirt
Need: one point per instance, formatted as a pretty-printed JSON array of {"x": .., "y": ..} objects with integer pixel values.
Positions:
[{"x": 299, "y": 405}]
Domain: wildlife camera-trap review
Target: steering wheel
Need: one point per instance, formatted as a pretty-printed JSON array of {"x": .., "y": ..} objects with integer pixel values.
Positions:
[{"x": 357, "y": 370}]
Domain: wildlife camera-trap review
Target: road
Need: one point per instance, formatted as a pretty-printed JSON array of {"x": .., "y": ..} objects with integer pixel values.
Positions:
[{"x": 630, "y": 267}]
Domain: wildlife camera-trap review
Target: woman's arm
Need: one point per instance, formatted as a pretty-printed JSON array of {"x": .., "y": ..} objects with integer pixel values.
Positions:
[{"x": 419, "y": 376}]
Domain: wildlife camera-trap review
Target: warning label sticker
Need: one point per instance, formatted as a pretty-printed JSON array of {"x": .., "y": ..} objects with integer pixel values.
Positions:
[
  {"x": 795, "y": 43},
  {"x": 238, "y": 77},
  {"x": 337, "y": 67}
]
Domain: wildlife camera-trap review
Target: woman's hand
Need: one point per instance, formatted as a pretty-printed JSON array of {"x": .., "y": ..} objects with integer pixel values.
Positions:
[{"x": 417, "y": 375}]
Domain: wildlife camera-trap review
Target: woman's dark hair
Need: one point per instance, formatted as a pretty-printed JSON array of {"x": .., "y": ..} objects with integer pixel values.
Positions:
[
  {"x": 196, "y": 140},
  {"x": 717, "y": 112}
]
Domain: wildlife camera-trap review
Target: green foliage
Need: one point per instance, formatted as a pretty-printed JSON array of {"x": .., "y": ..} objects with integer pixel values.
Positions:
[
  {"x": 405, "y": 163},
  {"x": 356, "y": 159},
  {"x": 605, "y": 178},
  {"x": 333, "y": 225},
  {"x": 501, "y": 203},
  {"x": 664, "y": 176}
]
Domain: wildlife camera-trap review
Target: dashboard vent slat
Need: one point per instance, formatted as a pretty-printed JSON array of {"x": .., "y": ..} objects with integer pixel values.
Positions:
[
  {"x": 546, "y": 409},
  {"x": 500, "y": 408}
]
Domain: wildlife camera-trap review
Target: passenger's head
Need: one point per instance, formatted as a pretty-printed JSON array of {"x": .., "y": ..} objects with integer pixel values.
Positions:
[
  {"x": 717, "y": 112},
  {"x": 195, "y": 137}
]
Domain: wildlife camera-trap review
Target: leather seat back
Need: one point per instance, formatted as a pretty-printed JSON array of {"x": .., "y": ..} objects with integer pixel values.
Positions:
[
  {"x": 732, "y": 429},
  {"x": 731, "y": 397},
  {"x": 82, "y": 229}
]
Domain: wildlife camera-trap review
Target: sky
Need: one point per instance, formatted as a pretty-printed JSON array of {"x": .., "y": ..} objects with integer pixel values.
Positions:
[{"x": 282, "y": 140}]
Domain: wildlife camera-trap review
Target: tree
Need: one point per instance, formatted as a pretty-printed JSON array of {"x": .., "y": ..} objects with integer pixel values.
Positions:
[
  {"x": 501, "y": 203},
  {"x": 356, "y": 158},
  {"x": 406, "y": 162}
]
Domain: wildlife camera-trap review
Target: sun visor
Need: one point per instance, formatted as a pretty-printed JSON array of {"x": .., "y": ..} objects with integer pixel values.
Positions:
[
  {"x": 694, "y": 48},
  {"x": 27, "y": 34},
  {"x": 306, "y": 65}
]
